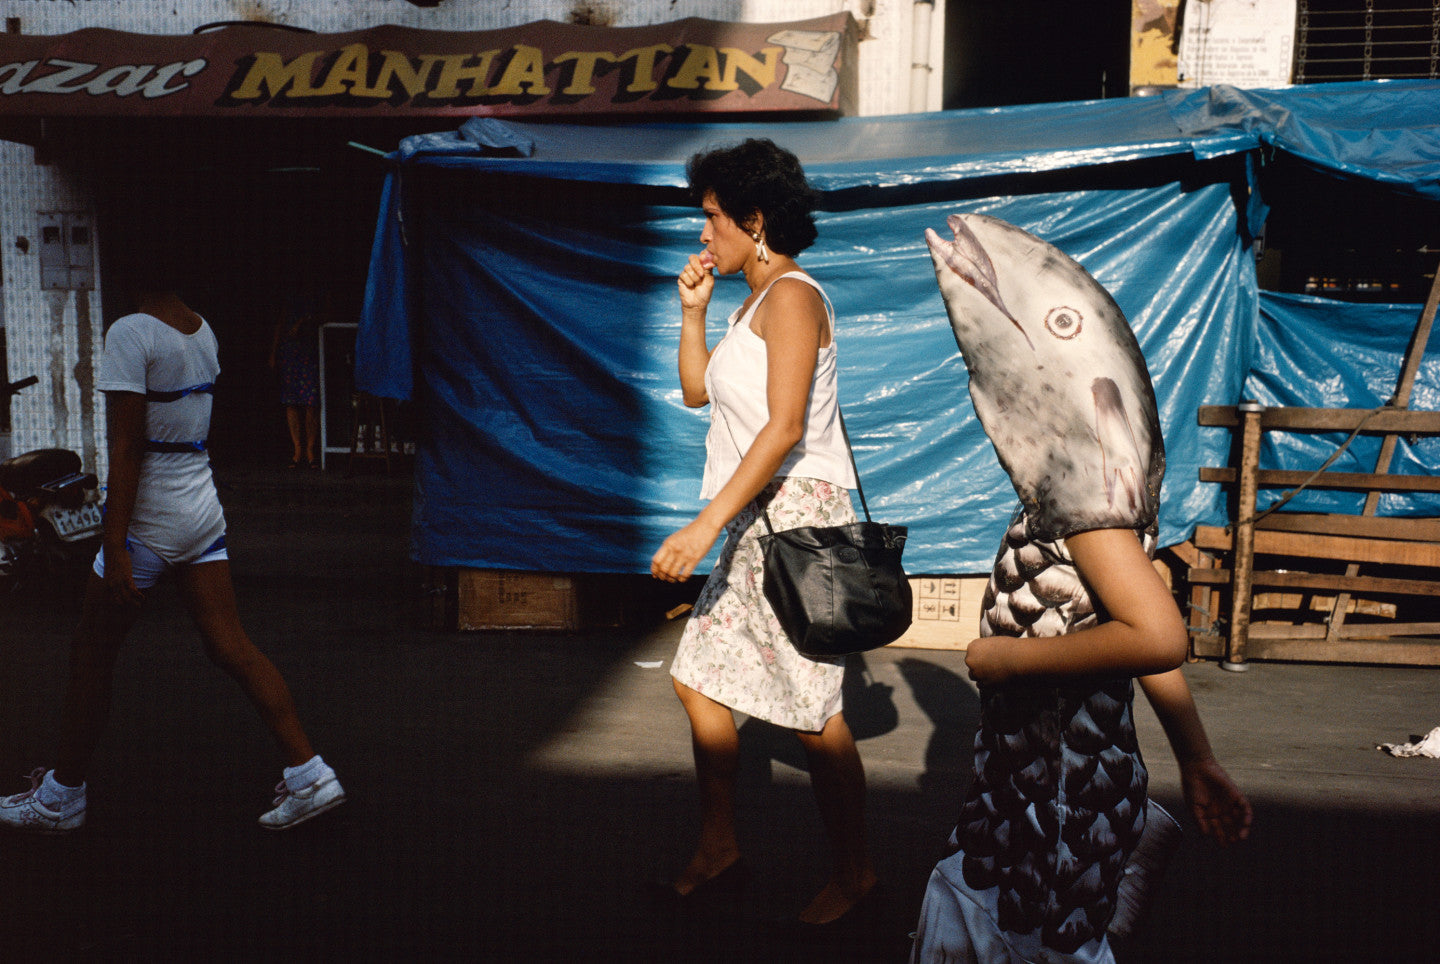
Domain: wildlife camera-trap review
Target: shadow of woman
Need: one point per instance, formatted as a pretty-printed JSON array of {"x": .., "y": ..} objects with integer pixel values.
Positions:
[
  {"x": 870, "y": 711},
  {"x": 953, "y": 706}
]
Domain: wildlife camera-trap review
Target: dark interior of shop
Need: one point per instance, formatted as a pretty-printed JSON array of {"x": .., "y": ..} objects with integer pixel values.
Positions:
[
  {"x": 254, "y": 215},
  {"x": 1003, "y": 52}
]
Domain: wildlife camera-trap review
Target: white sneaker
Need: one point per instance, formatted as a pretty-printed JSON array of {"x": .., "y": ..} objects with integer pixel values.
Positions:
[
  {"x": 292, "y": 807},
  {"x": 24, "y": 811}
]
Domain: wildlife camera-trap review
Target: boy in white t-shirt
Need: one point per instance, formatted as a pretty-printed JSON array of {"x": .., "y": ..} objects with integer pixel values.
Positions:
[{"x": 162, "y": 513}]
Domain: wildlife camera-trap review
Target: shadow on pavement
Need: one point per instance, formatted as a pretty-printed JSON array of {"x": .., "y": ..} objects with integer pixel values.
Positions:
[{"x": 511, "y": 794}]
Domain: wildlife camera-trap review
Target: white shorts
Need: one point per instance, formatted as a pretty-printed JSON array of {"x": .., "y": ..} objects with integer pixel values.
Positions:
[{"x": 147, "y": 567}]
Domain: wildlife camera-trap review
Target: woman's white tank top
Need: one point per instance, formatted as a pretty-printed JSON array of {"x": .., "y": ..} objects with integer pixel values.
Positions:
[{"x": 735, "y": 383}]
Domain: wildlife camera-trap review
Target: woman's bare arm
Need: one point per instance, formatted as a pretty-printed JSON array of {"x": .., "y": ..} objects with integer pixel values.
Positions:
[{"x": 792, "y": 327}]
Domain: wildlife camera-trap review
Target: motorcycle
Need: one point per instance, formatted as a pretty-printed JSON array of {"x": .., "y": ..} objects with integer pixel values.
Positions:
[{"x": 50, "y": 513}]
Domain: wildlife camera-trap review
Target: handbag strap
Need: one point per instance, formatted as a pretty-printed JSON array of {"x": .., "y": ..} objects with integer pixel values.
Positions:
[{"x": 848, "y": 448}]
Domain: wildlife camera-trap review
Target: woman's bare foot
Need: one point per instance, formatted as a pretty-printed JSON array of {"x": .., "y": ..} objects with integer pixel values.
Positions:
[
  {"x": 703, "y": 868},
  {"x": 836, "y": 899}
]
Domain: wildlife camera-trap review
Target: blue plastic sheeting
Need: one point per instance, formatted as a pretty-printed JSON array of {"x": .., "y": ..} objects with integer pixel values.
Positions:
[
  {"x": 1387, "y": 131},
  {"x": 1316, "y": 353},
  {"x": 846, "y": 153},
  {"x": 1380, "y": 130},
  {"x": 534, "y": 318},
  {"x": 556, "y": 439}
]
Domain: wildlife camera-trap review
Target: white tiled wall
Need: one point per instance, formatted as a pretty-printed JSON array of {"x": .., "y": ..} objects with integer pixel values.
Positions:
[{"x": 55, "y": 335}]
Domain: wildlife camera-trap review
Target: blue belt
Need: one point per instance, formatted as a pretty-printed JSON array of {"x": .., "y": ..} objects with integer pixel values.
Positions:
[
  {"x": 152, "y": 445},
  {"x": 156, "y": 396}
]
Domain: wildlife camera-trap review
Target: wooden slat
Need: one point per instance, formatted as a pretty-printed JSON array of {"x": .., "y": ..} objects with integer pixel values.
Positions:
[
  {"x": 1386, "y": 630},
  {"x": 1387, "y": 551},
  {"x": 1355, "y": 631},
  {"x": 1365, "y": 526},
  {"x": 1186, "y": 552},
  {"x": 1398, "y": 421},
  {"x": 1360, "y": 481},
  {"x": 1409, "y": 652},
  {"x": 1287, "y": 630},
  {"x": 1322, "y": 581}
]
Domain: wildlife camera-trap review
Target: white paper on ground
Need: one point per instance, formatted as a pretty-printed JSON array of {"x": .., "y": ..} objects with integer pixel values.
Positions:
[{"x": 1429, "y": 746}]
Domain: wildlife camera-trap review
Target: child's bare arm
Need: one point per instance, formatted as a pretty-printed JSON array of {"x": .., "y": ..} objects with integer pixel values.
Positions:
[
  {"x": 1142, "y": 633},
  {"x": 1220, "y": 809}
]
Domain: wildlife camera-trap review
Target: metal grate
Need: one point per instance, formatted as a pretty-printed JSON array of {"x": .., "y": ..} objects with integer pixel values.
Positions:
[{"x": 1366, "y": 40}]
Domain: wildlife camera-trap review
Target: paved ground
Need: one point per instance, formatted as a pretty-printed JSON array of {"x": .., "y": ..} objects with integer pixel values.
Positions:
[{"x": 511, "y": 793}]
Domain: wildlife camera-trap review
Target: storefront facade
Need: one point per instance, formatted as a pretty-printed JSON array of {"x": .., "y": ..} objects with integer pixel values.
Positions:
[{"x": 378, "y": 69}]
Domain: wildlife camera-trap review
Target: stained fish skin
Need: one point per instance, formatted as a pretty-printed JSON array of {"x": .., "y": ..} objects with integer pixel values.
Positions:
[{"x": 1056, "y": 376}]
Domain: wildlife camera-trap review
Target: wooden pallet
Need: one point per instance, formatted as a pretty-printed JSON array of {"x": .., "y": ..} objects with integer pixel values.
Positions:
[{"x": 1318, "y": 553}]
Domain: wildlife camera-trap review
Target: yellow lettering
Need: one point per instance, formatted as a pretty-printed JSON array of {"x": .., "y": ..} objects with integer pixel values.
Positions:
[
  {"x": 274, "y": 74},
  {"x": 349, "y": 69},
  {"x": 738, "y": 61},
  {"x": 702, "y": 61},
  {"x": 644, "y": 58},
  {"x": 397, "y": 66},
  {"x": 527, "y": 69},
  {"x": 453, "y": 70},
  {"x": 584, "y": 80}
]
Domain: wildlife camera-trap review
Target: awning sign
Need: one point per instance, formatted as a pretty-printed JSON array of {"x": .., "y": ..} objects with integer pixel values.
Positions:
[{"x": 542, "y": 68}]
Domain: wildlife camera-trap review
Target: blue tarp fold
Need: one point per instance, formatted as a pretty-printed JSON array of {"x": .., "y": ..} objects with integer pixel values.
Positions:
[{"x": 527, "y": 303}]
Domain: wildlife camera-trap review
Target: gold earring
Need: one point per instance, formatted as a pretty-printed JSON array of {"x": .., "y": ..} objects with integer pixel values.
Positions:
[{"x": 762, "y": 253}]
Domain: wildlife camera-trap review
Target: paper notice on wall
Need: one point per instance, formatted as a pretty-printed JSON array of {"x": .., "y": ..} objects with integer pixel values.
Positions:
[
  {"x": 1243, "y": 43},
  {"x": 809, "y": 62}
]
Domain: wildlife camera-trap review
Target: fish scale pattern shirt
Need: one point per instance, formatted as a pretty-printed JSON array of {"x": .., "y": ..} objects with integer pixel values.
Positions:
[{"x": 177, "y": 511}]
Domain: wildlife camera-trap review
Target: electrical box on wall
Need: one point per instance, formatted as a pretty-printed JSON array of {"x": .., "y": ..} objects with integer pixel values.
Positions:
[{"x": 67, "y": 251}]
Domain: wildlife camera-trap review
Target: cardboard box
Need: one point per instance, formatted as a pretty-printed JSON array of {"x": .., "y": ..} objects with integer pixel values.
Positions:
[
  {"x": 491, "y": 599},
  {"x": 947, "y": 612}
]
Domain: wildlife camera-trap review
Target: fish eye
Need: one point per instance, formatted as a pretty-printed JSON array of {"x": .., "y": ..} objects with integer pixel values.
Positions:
[{"x": 1063, "y": 322}]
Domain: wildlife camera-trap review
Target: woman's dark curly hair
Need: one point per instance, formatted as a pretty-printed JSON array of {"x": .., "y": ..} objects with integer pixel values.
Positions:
[{"x": 758, "y": 176}]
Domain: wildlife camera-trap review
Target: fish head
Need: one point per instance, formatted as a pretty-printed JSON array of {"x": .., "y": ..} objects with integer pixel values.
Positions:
[{"x": 1056, "y": 376}]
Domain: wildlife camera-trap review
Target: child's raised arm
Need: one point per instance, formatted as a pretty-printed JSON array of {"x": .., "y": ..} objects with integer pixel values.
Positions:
[{"x": 1141, "y": 631}]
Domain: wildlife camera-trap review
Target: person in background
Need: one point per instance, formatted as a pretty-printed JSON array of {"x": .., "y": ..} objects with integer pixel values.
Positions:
[
  {"x": 774, "y": 445},
  {"x": 295, "y": 356},
  {"x": 162, "y": 514}
]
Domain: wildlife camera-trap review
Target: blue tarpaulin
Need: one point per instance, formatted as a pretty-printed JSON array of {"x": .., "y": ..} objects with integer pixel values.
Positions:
[{"x": 522, "y": 293}]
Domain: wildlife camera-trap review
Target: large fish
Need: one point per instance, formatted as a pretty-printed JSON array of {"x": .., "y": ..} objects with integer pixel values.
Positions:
[{"x": 1061, "y": 389}]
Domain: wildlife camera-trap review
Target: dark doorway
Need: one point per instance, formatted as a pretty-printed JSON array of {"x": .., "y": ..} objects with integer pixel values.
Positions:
[
  {"x": 1001, "y": 52},
  {"x": 253, "y": 214}
]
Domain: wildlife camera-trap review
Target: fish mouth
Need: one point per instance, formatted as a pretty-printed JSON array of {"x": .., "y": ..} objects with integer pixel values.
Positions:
[{"x": 967, "y": 258}]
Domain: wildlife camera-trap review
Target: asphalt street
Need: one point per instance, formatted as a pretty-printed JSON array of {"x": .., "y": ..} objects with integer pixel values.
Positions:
[{"x": 512, "y": 793}]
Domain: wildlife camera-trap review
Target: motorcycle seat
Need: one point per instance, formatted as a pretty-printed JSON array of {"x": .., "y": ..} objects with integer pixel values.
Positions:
[{"x": 23, "y": 474}]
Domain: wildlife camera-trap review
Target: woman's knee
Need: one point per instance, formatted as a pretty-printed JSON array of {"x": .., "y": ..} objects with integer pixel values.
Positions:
[{"x": 832, "y": 738}]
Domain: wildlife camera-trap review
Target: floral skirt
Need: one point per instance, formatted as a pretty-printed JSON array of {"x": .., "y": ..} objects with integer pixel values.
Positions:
[{"x": 733, "y": 649}]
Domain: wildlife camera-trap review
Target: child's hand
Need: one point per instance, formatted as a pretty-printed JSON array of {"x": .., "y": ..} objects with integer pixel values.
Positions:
[
  {"x": 984, "y": 659},
  {"x": 1217, "y": 804}
]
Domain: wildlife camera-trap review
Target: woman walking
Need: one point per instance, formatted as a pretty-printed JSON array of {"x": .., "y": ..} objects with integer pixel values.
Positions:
[{"x": 774, "y": 445}]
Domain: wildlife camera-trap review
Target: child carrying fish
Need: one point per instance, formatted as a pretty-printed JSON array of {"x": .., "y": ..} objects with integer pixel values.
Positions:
[{"x": 1073, "y": 614}]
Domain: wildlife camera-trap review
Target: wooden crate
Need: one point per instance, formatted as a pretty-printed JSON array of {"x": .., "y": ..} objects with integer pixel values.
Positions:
[{"x": 503, "y": 599}]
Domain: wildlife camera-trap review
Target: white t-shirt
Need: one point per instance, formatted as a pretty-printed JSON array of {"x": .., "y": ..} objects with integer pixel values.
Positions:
[
  {"x": 177, "y": 512},
  {"x": 735, "y": 382}
]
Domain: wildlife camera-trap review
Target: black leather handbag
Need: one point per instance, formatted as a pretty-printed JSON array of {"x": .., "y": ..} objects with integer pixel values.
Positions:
[{"x": 838, "y": 589}]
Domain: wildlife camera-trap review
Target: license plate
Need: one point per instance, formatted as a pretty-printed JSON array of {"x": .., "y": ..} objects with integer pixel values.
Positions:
[{"x": 73, "y": 524}]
